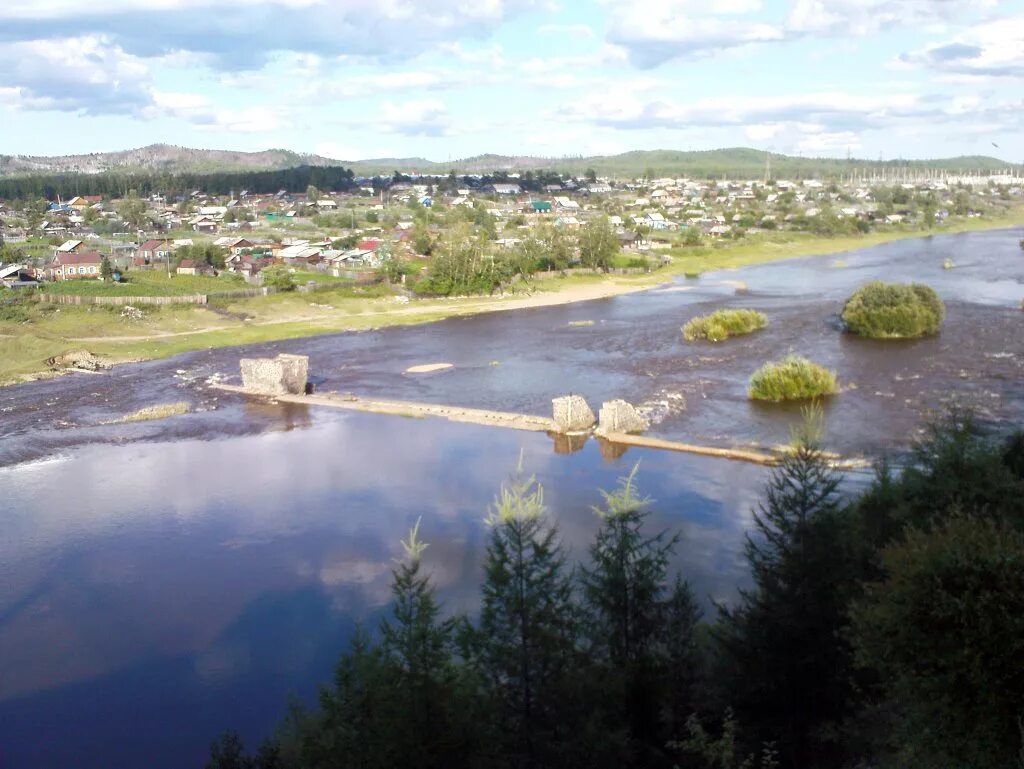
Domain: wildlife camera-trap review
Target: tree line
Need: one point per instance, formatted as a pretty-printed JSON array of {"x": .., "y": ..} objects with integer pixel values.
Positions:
[
  {"x": 882, "y": 629},
  {"x": 174, "y": 185}
]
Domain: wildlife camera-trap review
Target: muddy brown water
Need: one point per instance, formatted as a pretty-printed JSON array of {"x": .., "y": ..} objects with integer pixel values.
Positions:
[{"x": 162, "y": 581}]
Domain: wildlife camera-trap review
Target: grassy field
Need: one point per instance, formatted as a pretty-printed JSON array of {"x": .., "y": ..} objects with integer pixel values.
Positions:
[
  {"x": 165, "y": 331},
  {"x": 148, "y": 283}
]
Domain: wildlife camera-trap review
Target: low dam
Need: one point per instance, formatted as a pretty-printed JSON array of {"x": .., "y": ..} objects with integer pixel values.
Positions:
[{"x": 284, "y": 379}]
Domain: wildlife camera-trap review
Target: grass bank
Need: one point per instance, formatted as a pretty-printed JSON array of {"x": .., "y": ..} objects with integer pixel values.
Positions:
[{"x": 26, "y": 343}]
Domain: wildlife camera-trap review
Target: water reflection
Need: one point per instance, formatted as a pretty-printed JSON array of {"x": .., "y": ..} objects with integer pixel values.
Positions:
[{"x": 189, "y": 557}]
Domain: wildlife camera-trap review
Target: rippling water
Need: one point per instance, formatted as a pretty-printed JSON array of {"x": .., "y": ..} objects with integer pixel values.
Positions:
[{"x": 162, "y": 581}]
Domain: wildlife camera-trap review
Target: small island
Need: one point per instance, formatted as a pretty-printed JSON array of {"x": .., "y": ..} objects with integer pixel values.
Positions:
[
  {"x": 722, "y": 324},
  {"x": 793, "y": 378},
  {"x": 894, "y": 311}
]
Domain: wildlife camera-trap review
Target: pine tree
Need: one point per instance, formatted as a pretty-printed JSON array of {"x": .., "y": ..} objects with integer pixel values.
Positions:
[
  {"x": 433, "y": 708},
  {"x": 404, "y": 702},
  {"x": 624, "y": 590},
  {"x": 787, "y": 667},
  {"x": 354, "y": 714},
  {"x": 683, "y": 656},
  {"x": 525, "y": 642}
]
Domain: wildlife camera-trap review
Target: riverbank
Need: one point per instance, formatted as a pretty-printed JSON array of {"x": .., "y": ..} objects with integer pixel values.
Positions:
[{"x": 26, "y": 344}]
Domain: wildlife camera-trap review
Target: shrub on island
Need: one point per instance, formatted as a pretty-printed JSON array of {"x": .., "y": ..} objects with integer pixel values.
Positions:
[
  {"x": 893, "y": 311},
  {"x": 793, "y": 378},
  {"x": 722, "y": 324}
]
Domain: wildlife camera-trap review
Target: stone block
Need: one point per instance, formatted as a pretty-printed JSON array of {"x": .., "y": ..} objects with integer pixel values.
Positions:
[
  {"x": 618, "y": 416},
  {"x": 283, "y": 375},
  {"x": 572, "y": 414}
]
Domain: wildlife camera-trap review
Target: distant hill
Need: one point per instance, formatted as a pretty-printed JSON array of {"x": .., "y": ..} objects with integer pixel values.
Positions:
[
  {"x": 742, "y": 162},
  {"x": 736, "y": 162},
  {"x": 160, "y": 158}
]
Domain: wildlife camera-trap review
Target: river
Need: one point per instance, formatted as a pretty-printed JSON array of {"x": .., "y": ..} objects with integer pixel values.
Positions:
[{"x": 163, "y": 581}]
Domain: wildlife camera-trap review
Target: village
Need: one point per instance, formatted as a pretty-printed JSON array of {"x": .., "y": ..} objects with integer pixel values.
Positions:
[{"x": 507, "y": 226}]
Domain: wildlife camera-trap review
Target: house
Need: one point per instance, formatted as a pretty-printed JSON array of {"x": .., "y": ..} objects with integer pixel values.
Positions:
[
  {"x": 71, "y": 246},
  {"x": 234, "y": 245},
  {"x": 632, "y": 240},
  {"x": 326, "y": 204},
  {"x": 82, "y": 202},
  {"x": 247, "y": 265},
  {"x": 154, "y": 250},
  {"x": 540, "y": 207},
  {"x": 204, "y": 224},
  {"x": 12, "y": 274},
  {"x": 506, "y": 189},
  {"x": 73, "y": 264},
  {"x": 300, "y": 254},
  {"x": 189, "y": 267},
  {"x": 566, "y": 204}
]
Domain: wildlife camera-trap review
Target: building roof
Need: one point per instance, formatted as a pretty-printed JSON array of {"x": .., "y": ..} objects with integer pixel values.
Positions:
[
  {"x": 153, "y": 245},
  {"x": 70, "y": 257}
]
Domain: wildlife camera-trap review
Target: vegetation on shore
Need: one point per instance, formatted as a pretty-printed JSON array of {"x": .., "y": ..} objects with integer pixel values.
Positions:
[
  {"x": 794, "y": 378},
  {"x": 894, "y": 311},
  {"x": 722, "y": 324},
  {"x": 611, "y": 663},
  {"x": 31, "y": 333}
]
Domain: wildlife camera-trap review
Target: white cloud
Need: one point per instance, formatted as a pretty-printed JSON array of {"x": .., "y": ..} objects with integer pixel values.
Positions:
[
  {"x": 202, "y": 113},
  {"x": 418, "y": 117},
  {"x": 82, "y": 74},
  {"x": 245, "y": 33},
  {"x": 865, "y": 17},
  {"x": 653, "y": 32},
  {"x": 992, "y": 49},
  {"x": 762, "y": 131},
  {"x": 567, "y": 30}
]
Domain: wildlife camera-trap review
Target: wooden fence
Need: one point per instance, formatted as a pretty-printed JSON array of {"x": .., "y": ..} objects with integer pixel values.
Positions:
[{"x": 120, "y": 301}]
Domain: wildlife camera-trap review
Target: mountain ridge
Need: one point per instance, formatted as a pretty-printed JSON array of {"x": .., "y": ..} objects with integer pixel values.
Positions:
[{"x": 729, "y": 161}]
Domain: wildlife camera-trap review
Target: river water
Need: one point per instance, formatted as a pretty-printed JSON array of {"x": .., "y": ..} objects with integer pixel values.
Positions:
[{"x": 163, "y": 581}]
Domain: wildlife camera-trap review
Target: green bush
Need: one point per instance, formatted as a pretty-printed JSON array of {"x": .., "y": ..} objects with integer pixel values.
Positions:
[
  {"x": 894, "y": 311},
  {"x": 279, "y": 278},
  {"x": 791, "y": 379},
  {"x": 723, "y": 324}
]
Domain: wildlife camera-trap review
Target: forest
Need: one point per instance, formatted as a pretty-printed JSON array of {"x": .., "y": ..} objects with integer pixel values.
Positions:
[
  {"x": 884, "y": 627},
  {"x": 175, "y": 185}
]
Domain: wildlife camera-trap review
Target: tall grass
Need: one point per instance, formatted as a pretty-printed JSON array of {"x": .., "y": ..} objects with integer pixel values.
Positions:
[
  {"x": 791, "y": 379},
  {"x": 722, "y": 324}
]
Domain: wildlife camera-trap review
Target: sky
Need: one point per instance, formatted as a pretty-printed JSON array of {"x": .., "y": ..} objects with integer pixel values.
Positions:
[{"x": 447, "y": 79}]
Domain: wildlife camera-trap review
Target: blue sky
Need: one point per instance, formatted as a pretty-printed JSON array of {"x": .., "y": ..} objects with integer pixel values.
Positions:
[{"x": 447, "y": 79}]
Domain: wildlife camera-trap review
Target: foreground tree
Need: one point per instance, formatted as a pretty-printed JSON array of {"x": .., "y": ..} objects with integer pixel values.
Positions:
[
  {"x": 404, "y": 703},
  {"x": 525, "y": 644},
  {"x": 944, "y": 629},
  {"x": 624, "y": 591},
  {"x": 786, "y": 667}
]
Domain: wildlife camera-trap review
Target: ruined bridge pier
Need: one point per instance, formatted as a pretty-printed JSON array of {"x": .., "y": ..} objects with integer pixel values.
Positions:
[{"x": 285, "y": 378}]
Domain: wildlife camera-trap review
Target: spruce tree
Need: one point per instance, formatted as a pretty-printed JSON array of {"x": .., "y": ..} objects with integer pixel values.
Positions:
[
  {"x": 525, "y": 642},
  {"x": 787, "y": 667},
  {"x": 405, "y": 702},
  {"x": 683, "y": 657},
  {"x": 432, "y": 711},
  {"x": 624, "y": 589}
]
